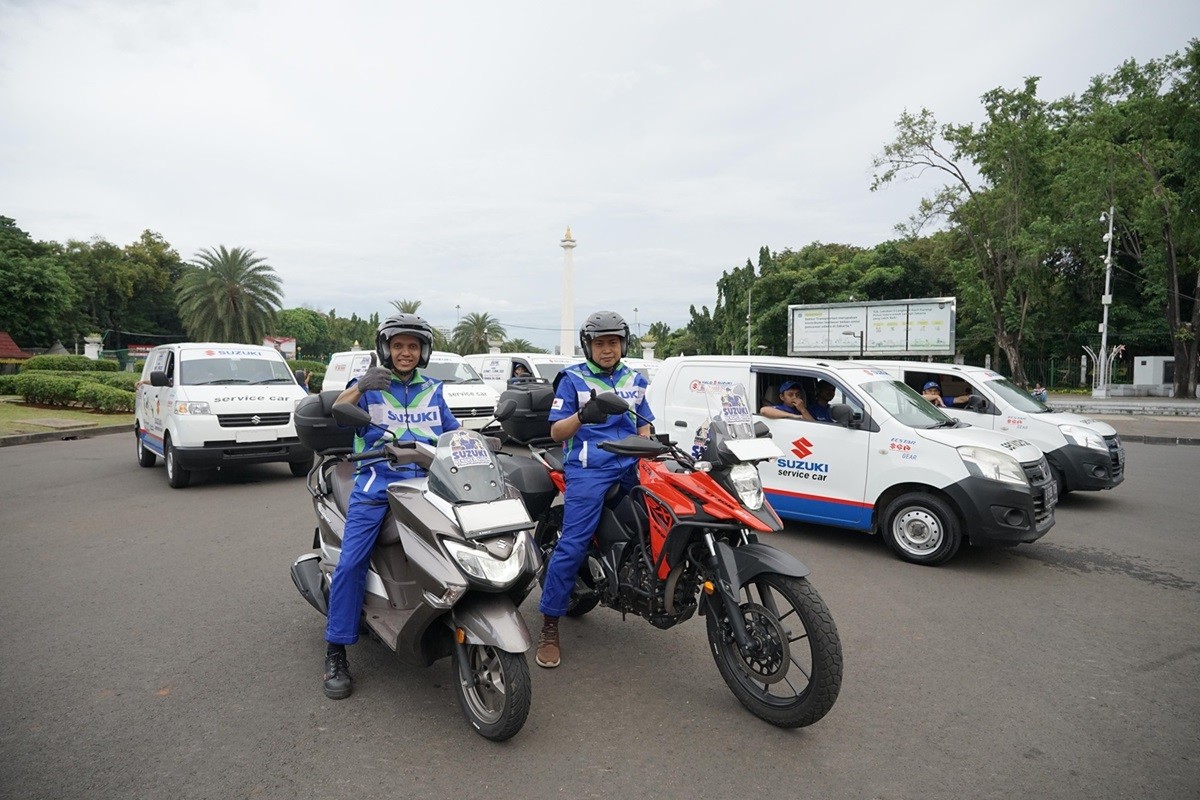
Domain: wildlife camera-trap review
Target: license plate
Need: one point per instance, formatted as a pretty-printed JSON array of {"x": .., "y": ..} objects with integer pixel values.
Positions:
[
  {"x": 252, "y": 435},
  {"x": 1051, "y": 494}
]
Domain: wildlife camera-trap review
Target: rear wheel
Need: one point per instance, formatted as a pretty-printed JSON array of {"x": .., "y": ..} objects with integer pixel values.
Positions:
[
  {"x": 493, "y": 689},
  {"x": 792, "y": 674},
  {"x": 921, "y": 528},
  {"x": 145, "y": 456},
  {"x": 177, "y": 476}
]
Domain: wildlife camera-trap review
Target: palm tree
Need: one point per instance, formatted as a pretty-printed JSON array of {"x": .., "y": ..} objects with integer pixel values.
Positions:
[
  {"x": 520, "y": 346},
  {"x": 406, "y": 306},
  {"x": 229, "y": 296},
  {"x": 474, "y": 331}
]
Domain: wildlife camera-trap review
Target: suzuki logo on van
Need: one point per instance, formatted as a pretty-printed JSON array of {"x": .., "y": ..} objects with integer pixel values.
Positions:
[
  {"x": 256, "y": 419},
  {"x": 802, "y": 447}
]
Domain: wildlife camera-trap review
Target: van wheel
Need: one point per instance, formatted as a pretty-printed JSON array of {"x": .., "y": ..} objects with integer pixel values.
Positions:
[
  {"x": 177, "y": 476},
  {"x": 922, "y": 529},
  {"x": 145, "y": 456},
  {"x": 1060, "y": 478},
  {"x": 300, "y": 468}
]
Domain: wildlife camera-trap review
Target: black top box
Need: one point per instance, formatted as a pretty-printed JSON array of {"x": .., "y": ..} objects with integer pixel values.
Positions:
[
  {"x": 316, "y": 426},
  {"x": 531, "y": 421}
]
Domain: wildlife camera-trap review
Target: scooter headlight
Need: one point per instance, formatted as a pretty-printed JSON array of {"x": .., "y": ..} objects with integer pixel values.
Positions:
[
  {"x": 748, "y": 485},
  {"x": 1084, "y": 437},
  {"x": 984, "y": 463},
  {"x": 481, "y": 565}
]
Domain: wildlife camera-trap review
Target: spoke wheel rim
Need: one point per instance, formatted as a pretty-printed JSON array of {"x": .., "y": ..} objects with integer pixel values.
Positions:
[{"x": 769, "y": 663}]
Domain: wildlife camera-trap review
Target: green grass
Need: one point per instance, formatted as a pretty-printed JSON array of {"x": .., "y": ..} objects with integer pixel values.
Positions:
[{"x": 15, "y": 416}]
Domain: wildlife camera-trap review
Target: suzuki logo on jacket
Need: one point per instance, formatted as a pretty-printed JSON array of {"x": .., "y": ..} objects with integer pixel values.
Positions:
[{"x": 414, "y": 417}]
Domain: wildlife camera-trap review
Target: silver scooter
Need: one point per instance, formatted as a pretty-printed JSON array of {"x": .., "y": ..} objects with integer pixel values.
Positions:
[{"x": 453, "y": 561}]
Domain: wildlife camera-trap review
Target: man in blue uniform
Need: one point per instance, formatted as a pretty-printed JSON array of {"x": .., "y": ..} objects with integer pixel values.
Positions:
[
  {"x": 580, "y": 424},
  {"x": 402, "y": 400},
  {"x": 932, "y": 391}
]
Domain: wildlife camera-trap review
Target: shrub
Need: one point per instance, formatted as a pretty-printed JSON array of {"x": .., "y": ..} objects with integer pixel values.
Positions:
[
  {"x": 105, "y": 398},
  {"x": 54, "y": 390},
  {"x": 68, "y": 364},
  {"x": 8, "y": 384}
]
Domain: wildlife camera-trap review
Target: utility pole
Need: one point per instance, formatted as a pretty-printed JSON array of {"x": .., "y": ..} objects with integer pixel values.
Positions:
[
  {"x": 566, "y": 334},
  {"x": 749, "y": 294},
  {"x": 1101, "y": 389}
]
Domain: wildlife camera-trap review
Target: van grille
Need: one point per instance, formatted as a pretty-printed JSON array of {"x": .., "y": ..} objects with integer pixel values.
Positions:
[
  {"x": 1116, "y": 455},
  {"x": 254, "y": 420},
  {"x": 466, "y": 412},
  {"x": 1039, "y": 477}
]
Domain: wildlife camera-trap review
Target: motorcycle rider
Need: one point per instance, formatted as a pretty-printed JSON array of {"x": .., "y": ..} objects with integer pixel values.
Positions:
[
  {"x": 580, "y": 424},
  {"x": 399, "y": 398}
]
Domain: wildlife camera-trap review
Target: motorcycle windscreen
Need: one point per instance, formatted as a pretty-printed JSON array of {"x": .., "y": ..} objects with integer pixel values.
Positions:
[{"x": 464, "y": 469}]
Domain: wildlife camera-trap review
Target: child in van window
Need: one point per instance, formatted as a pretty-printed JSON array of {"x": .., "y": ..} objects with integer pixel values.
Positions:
[{"x": 791, "y": 406}]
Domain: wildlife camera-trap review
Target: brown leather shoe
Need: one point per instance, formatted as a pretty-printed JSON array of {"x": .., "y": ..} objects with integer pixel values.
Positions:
[{"x": 547, "y": 649}]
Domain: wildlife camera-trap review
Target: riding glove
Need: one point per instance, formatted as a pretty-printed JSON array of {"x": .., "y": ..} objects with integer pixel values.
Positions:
[
  {"x": 375, "y": 379},
  {"x": 591, "y": 413}
]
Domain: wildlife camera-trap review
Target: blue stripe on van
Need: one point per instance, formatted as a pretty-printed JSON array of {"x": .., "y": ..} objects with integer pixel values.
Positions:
[
  {"x": 151, "y": 442},
  {"x": 823, "y": 510}
]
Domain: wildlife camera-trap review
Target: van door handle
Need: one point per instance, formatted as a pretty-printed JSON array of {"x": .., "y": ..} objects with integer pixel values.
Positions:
[{"x": 679, "y": 423}]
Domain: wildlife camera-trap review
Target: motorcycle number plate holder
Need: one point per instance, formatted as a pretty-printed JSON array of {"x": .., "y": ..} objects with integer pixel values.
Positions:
[
  {"x": 753, "y": 449},
  {"x": 477, "y": 520}
]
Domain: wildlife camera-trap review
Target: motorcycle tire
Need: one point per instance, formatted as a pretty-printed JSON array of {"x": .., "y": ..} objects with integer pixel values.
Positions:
[
  {"x": 493, "y": 689},
  {"x": 583, "y": 599},
  {"x": 795, "y": 681}
]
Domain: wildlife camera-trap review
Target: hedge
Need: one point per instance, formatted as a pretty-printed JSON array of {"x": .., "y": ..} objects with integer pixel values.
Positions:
[
  {"x": 315, "y": 370},
  {"x": 8, "y": 384},
  {"x": 72, "y": 389},
  {"x": 69, "y": 364},
  {"x": 116, "y": 380}
]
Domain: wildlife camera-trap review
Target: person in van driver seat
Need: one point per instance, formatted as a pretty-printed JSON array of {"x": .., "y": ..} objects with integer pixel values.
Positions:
[
  {"x": 394, "y": 394},
  {"x": 819, "y": 407},
  {"x": 791, "y": 405},
  {"x": 932, "y": 391},
  {"x": 580, "y": 424}
]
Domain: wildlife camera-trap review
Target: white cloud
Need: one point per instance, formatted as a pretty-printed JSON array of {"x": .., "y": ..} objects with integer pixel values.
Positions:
[{"x": 375, "y": 151}]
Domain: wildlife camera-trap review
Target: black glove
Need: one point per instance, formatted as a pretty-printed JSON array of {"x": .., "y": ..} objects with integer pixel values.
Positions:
[
  {"x": 375, "y": 379},
  {"x": 591, "y": 413}
]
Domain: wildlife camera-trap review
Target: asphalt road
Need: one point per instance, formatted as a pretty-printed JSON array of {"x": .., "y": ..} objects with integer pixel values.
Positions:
[{"x": 154, "y": 647}]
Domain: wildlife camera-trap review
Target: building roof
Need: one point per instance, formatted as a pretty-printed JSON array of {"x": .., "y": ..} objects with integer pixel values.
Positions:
[{"x": 9, "y": 349}]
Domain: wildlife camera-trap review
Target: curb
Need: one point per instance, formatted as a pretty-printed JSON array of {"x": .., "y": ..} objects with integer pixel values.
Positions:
[
  {"x": 1167, "y": 440},
  {"x": 65, "y": 434}
]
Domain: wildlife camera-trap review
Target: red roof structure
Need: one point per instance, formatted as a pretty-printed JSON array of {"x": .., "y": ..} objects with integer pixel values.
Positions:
[{"x": 9, "y": 349}]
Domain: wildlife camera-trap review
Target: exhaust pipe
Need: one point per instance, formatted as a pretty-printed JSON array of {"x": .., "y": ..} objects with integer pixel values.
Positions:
[{"x": 306, "y": 574}]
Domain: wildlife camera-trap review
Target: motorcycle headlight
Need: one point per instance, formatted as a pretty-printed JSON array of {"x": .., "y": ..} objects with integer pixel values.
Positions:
[
  {"x": 993, "y": 465},
  {"x": 1084, "y": 437},
  {"x": 192, "y": 408},
  {"x": 481, "y": 565},
  {"x": 748, "y": 485}
]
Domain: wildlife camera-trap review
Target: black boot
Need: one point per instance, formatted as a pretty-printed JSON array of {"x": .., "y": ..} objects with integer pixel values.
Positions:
[{"x": 338, "y": 681}]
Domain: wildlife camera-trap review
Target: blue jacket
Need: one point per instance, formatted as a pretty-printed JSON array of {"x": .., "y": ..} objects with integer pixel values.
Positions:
[
  {"x": 414, "y": 411},
  {"x": 574, "y": 389}
]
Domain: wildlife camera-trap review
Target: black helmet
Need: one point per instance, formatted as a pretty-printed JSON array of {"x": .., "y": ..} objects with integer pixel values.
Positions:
[
  {"x": 410, "y": 325},
  {"x": 603, "y": 323}
]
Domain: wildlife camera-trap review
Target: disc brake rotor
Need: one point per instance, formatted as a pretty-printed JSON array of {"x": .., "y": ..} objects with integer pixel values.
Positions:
[{"x": 768, "y": 662}]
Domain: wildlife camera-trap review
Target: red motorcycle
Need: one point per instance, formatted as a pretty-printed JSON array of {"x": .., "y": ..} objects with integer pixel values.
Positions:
[{"x": 686, "y": 540}]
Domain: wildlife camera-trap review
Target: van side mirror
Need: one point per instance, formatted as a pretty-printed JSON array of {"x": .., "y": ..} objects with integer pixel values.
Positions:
[
  {"x": 159, "y": 378},
  {"x": 977, "y": 403},
  {"x": 841, "y": 414}
]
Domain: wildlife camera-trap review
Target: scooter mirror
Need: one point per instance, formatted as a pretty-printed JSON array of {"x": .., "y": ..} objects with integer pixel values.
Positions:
[
  {"x": 350, "y": 415},
  {"x": 611, "y": 403},
  {"x": 761, "y": 431},
  {"x": 505, "y": 409}
]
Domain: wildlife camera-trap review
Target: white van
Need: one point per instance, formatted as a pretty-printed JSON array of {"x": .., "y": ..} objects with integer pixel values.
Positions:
[
  {"x": 891, "y": 463},
  {"x": 1084, "y": 453},
  {"x": 471, "y": 401},
  {"x": 496, "y": 369},
  {"x": 208, "y": 405}
]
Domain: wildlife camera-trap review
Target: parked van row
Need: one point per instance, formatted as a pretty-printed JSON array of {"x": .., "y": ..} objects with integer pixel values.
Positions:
[
  {"x": 501, "y": 370},
  {"x": 889, "y": 462}
]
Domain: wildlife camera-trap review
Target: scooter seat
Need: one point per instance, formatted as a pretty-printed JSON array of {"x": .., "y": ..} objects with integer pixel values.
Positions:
[{"x": 341, "y": 481}]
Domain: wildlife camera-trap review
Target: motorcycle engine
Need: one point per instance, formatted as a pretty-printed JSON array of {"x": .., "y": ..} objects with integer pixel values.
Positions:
[{"x": 642, "y": 593}]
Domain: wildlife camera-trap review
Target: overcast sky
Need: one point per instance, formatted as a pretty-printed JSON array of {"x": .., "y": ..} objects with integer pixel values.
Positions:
[{"x": 376, "y": 151}]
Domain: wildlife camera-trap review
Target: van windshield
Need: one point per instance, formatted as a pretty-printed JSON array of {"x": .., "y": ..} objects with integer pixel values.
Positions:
[
  {"x": 1017, "y": 397},
  {"x": 206, "y": 371},
  {"x": 908, "y": 407},
  {"x": 457, "y": 372}
]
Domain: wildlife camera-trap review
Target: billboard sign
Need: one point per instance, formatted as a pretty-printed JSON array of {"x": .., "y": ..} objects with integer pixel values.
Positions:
[{"x": 923, "y": 327}]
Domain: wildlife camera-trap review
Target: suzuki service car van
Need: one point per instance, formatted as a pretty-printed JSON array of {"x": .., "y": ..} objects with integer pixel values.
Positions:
[
  {"x": 471, "y": 401},
  {"x": 890, "y": 462},
  {"x": 208, "y": 405},
  {"x": 496, "y": 369},
  {"x": 1084, "y": 453}
]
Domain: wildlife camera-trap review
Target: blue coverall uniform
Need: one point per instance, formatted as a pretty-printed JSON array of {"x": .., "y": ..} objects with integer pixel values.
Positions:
[
  {"x": 589, "y": 470},
  {"x": 414, "y": 411}
]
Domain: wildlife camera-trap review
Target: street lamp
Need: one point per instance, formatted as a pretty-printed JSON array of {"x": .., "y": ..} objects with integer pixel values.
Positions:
[
  {"x": 1101, "y": 389},
  {"x": 860, "y": 341},
  {"x": 457, "y": 315}
]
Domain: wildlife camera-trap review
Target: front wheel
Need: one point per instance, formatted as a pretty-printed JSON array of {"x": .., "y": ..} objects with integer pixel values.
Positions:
[
  {"x": 921, "y": 528},
  {"x": 177, "y": 476},
  {"x": 493, "y": 689},
  {"x": 792, "y": 674}
]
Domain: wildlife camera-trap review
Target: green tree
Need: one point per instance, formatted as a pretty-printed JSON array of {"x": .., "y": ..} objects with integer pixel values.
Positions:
[
  {"x": 406, "y": 306},
  {"x": 157, "y": 267},
  {"x": 39, "y": 295},
  {"x": 309, "y": 328},
  {"x": 520, "y": 346},
  {"x": 229, "y": 296},
  {"x": 474, "y": 332}
]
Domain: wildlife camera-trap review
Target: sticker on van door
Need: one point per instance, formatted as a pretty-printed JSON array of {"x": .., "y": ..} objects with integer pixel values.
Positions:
[
  {"x": 800, "y": 467},
  {"x": 700, "y": 386}
]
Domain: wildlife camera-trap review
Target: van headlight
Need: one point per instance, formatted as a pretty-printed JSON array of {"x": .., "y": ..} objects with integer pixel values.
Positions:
[
  {"x": 1084, "y": 437},
  {"x": 748, "y": 485},
  {"x": 192, "y": 408},
  {"x": 481, "y": 565},
  {"x": 993, "y": 465}
]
